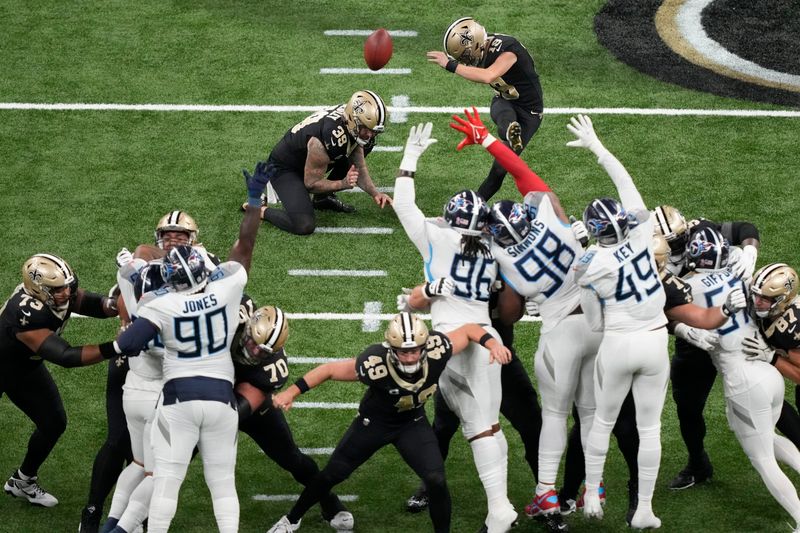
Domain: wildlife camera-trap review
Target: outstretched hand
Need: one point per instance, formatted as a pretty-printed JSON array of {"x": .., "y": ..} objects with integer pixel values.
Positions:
[
  {"x": 419, "y": 139},
  {"x": 474, "y": 130},
  {"x": 258, "y": 180},
  {"x": 499, "y": 354},
  {"x": 581, "y": 127}
]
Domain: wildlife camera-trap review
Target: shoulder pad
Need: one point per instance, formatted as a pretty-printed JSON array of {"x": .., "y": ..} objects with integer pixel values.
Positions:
[{"x": 582, "y": 265}]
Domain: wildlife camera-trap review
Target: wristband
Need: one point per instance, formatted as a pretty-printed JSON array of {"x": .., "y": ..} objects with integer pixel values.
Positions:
[
  {"x": 302, "y": 385},
  {"x": 451, "y": 66},
  {"x": 485, "y": 339},
  {"x": 108, "y": 349},
  {"x": 775, "y": 358}
]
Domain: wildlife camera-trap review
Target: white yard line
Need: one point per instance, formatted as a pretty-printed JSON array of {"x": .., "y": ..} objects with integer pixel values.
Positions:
[
  {"x": 317, "y": 451},
  {"x": 387, "y": 149},
  {"x": 371, "y": 320},
  {"x": 324, "y": 405},
  {"x": 744, "y": 113},
  {"x": 312, "y": 360},
  {"x": 349, "y": 316},
  {"x": 400, "y": 102},
  {"x": 338, "y": 273},
  {"x": 390, "y": 71},
  {"x": 380, "y": 189},
  {"x": 365, "y": 33},
  {"x": 360, "y": 231}
]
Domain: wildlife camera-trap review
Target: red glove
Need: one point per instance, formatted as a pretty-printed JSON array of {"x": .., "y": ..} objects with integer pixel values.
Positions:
[{"x": 473, "y": 129}]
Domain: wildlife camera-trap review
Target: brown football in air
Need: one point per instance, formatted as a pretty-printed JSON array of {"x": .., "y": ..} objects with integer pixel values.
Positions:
[{"x": 378, "y": 49}]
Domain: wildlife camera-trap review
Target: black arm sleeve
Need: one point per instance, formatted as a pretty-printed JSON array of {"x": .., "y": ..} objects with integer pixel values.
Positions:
[
  {"x": 738, "y": 232},
  {"x": 92, "y": 305},
  {"x": 58, "y": 351},
  {"x": 135, "y": 338},
  {"x": 243, "y": 407}
]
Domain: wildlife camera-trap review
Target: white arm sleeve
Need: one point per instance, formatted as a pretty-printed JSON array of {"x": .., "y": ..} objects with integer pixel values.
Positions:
[
  {"x": 412, "y": 219},
  {"x": 628, "y": 193},
  {"x": 592, "y": 309}
]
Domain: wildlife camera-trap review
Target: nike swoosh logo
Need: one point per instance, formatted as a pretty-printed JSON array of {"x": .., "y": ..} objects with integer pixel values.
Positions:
[{"x": 26, "y": 313}]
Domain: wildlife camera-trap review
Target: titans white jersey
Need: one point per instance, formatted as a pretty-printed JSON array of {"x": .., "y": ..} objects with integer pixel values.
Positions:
[
  {"x": 440, "y": 246},
  {"x": 148, "y": 364},
  {"x": 710, "y": 289},
  {"x": 624, "y": 279},
  {"x": 540, "y": 267},
  {"x": 197, "y": 329}
]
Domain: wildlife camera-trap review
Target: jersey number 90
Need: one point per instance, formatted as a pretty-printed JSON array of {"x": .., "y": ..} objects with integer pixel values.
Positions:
[{"x": 202, "y": 331}]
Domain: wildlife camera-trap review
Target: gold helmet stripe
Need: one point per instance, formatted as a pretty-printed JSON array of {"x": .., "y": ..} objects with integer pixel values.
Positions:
[
  {"x": 66, "y": 271},
  {"x": 765, "y": 273},
  {"x": 381, "y": 111},
  {"x": 277, "y": 329}
]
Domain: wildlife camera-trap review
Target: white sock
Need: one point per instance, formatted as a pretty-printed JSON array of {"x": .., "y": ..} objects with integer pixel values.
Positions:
[
  {"x": 492, "y": 470},
  {"x": 138, "y": 505},
  {"x": 502, "y": 442},
  {"x": 649, "y": 459},
  {"x": 552, "y": 441},
  {"x": 127, "y": 481},
  {"x": 596, "y": 450}
]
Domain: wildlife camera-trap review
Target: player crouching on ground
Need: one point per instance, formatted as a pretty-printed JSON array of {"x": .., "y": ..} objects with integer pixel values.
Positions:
[{"x": 401, "y": 375}]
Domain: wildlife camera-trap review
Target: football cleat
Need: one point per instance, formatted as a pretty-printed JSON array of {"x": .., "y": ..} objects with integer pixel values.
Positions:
[
  {"x": 592, "y": 505},
  {"x": 502, "y": 520},
  {"x": 110, "y": 526},
  {"x": 514, "y": 136},
  {"x": 601, "y": 491},
  {"x": 329, "y": 202},
  {"x": 342, "y": 521},
  {"x": 90, "y": 520},
  {"x": 418, "y": 501},
  {"x": 284, "y": 526},
  {"x": 30, "y": 490},
  {"x": 568, "y": 506},
  {"x": 689, "y": 477},
  {"x": 553, "y": 523},
  {"x": 645, "y": 520},
  {"x": 543, "y": 504}
]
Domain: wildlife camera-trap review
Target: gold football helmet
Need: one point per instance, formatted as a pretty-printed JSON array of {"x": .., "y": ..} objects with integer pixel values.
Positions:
[
  {"x": 465, "y": 41},
  {"x": 176, "y": 221},
  {"x": 776, "y": 282},
  {"x": 671, "y": 224},
  {"x": 265, "y": 334},
  {"x": 406, "y": 331},
  {"x": 660, "y": 252},
  {"x": 44, "y": 272},
  {"x": 365, "y": 108}
]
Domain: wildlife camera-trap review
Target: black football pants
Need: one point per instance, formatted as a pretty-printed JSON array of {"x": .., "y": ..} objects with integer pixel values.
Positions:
[
  {"x": 268, "y": 428},
  {"x": 36, "y": 395},
  {"x": 504, "y": 113},
  {"x": 416, "y": 443}
]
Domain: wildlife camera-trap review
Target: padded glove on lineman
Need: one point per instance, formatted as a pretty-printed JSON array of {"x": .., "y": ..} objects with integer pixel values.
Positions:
[
  {"x": 124, "y": 257},
  {"x": 581, "y": 127},
  {"x": 579, "y": 231},
  {"x": 757, "y": 349},
  {"x": 473, "y": 129},
  {"x": 402, "y": 301},
  {"x": 735, "y": 302},
  {"x": 438, "y": 287},
  {"x": 746, "y": 264},
  {"x": 419, "y": 139},
  {"x": 702, "y": 338},
  {"x": 257, "y": 181}
]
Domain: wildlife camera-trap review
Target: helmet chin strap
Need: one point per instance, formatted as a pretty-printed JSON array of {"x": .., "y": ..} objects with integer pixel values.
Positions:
[{"x": 409, "y": 369}]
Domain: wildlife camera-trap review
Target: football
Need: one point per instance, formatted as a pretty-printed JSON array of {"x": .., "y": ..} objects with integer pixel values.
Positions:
[{"x": 378, "y": 49}]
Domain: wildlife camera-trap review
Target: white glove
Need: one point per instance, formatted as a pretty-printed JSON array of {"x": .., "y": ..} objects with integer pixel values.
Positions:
[
  {"x": 419, "y": 139},
  {"x": 124, "y": 257},
  {"x": 531, "y": 307},
  {"x": 579, "y": 230},
  {"x": 746, "y": 264},
  {"x": 581, "y": 127},
  {"x": 702, "y": 338},
  {"x": 438, "y": 287},
  {"x": 402, "y": 301},
  {"x": 735, "y": 302},
  {"x": 757, "y": 349}
]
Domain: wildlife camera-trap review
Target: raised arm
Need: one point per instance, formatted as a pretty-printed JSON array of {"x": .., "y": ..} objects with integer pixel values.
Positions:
[
  {"x": 581, "y": 127},
  {"x": 476, "y": 133},
  {"x": 242, "y": 251},
  {"x": 410, "y": 216}
]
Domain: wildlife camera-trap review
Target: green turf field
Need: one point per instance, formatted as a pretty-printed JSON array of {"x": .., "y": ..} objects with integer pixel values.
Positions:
[{"x": 83, "y": 183}]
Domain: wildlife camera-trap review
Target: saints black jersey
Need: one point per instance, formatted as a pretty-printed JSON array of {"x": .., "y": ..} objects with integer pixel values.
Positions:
[
  {"x": 782, "y": 332},
  {"x": 268, "y": 377},
  {"x": 521, "y": 83},
  {"x": 328, "y": 126},
  {"x": 678, "y": 291},
  {"x": 391, "y": 398},
  {"x": 23, "y": 312}
]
